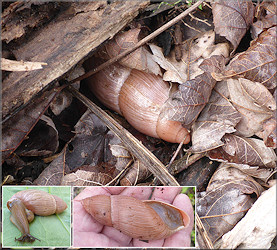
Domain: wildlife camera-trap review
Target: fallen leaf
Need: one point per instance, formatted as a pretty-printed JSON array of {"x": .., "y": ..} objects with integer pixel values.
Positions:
[
  {"x": 216, "y": 119},
  {"x": 41, "y": 141},
  {"x": 232, "y": 18},
  {"x": 226, "y": 173},
  {"x": 186, "y": 104},
  {"x": 226, "y": 200},
  {"x": 266, "y": 20},
  {"x": 268, "y": 133},
  {"x": 86, "y": 148},
  {"x": 194, "y": 52},
  {"x": 254, "y": 102},
  {"x": 85, "y": 178},
  {"x": 258, "y": 62},
  {"x": 16, "y": 129},
  {"x": 53, "y": 173},
  {"x": 221, "y": 209},
  {"x": 262, "y": 174},
  {"x": 64, "y": 99},
  {"x": 243, "y": 150},
  {"x": 93, "y": 146}
]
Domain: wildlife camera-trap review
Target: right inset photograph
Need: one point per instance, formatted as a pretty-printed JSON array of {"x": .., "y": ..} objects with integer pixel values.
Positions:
[{"x": 133, "y": 217}]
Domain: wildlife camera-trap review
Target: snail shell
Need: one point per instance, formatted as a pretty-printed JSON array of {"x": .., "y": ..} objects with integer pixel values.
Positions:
[
  {"x": 139, "y": 97},
  {"x": 145, "y": 220},
  {"x": 40, "y": 202}
]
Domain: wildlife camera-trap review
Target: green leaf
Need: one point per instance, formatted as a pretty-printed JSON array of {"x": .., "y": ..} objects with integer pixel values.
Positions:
[{"x": 53, "y": 230}]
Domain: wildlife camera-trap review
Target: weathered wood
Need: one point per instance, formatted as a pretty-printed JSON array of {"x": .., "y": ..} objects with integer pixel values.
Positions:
[
  {"x": 65, "y": 41},
  {"x": 21, "y": 18}
]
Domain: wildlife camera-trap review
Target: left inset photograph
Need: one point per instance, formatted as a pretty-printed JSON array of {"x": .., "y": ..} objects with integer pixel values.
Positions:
[{"x": 36, "y": 216}]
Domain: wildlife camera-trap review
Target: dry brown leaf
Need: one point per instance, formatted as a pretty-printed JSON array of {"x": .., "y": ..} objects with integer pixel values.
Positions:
[
  {"x": 194, "y": 52},
  {"x": 226, "y": 173},
  {"x": 266, "y": 20},
  {"x": 136, "y": 173},
  {"x": 243, "y": 150},
  {"x": 53, "y": 174},
  {"x": 225, "y": 202},
  {"x": 43, "y": 140},
  {"x": 232, "y": 18},
  {"x": 64, "y": 99},
  {"x": 254, "y": 102},
  {"x": 262, "y": 174},
  {"x": 93, "y": 146},
  {"x": 258, "y": 62},
  {"x": 85, "y": 178},
  {"x": 216, "y": 119},
  {"x": 268, "y": 133},
  {"x": 141, "y": 59},
  {"x": 16, "y": 129},
  {"x": 186, "y": 104}
]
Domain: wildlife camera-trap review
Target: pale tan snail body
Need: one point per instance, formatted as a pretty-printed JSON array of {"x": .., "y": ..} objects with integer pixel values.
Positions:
[
  {"x": 139, "y": 97},
  {"x": 144, "y": 220},
  {"x": 24, "y": 204}
]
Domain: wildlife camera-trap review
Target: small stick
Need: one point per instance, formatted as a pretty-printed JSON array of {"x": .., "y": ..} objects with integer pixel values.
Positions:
[{"x": 140, "y": 43}]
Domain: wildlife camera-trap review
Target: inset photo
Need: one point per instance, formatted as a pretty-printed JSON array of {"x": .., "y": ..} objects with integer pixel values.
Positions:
[
  {"x": 35, "y": 216},
  {"x": 133, "y": 217}
]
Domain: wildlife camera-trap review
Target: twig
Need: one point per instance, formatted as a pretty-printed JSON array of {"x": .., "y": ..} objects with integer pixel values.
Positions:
[
  {"x": 131, "y": 143},
  {"x": 199, "y": 20},
  {"x": 176, "y": 152},
  {"x": 140, "y": 43},
  {"x": 183, "y": 163}
]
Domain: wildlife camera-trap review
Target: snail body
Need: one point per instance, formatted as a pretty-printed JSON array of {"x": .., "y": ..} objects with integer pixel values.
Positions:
[
  {"x": 144, "y": 220},
  {"x": 139, "y": 97},
  {"x": 24, "y": 204}
]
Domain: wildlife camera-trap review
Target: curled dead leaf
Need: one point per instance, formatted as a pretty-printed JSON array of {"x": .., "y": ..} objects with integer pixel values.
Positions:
[
  {"x": 194, "y": 51},
  {"x": 254, "y": 102},
  {"x": 232, "y": 18},
  {"x": 216, "y": 119},
  {"x": 186, "y": 104},
  {"x": 244, "y": 151},
  {"x": 258, "y": 62}
]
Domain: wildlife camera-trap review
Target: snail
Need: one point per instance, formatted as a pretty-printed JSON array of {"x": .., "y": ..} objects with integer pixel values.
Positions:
[
  {"x": 24, "y": 204},
  {"x": 144, "y": 220},
  {"x": 139, "y": 97}
]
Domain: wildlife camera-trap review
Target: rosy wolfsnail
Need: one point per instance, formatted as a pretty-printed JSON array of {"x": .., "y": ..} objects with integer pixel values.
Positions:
[
  {"x": 24, "y": 204},
  {"x": 144, "y": 220},
  {"x": 139, "y": 97}
]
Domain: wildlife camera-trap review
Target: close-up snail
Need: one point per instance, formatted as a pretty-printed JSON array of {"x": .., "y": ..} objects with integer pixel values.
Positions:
[
  {"x": 26, "y": 203},
  {"x": 144, "y": 220},
  {"x": 139, "y": 97}
]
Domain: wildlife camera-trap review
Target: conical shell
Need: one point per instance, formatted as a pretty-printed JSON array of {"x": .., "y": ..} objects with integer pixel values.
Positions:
[
  {"x": 145, "y": 220},
  {"x": 39, "y": 202}
]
